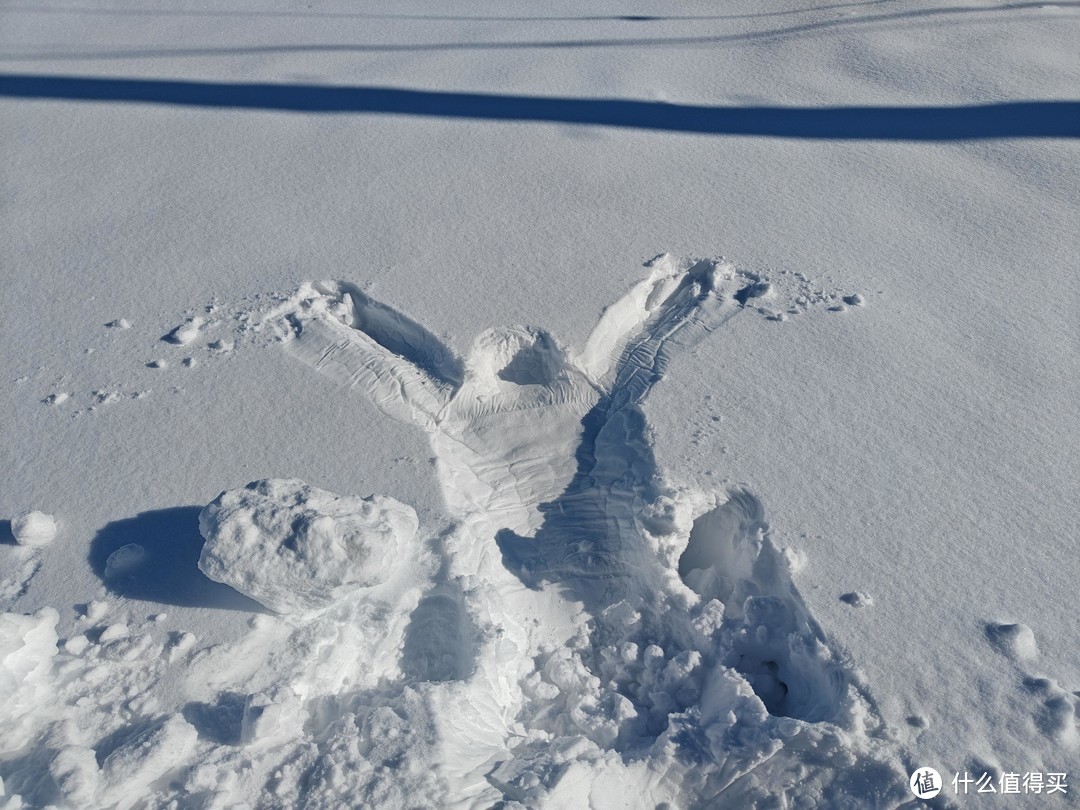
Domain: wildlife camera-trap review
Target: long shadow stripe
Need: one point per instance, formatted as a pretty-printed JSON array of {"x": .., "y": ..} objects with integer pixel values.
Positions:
[{"x": 1013, "y": 119}]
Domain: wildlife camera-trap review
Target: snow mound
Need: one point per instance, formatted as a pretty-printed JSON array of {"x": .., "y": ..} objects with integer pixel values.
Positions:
[
  {"x": 296, "y": 549},
  {"x": 33, "y": 528}
]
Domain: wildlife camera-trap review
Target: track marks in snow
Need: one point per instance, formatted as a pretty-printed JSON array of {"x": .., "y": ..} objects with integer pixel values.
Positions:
[
  {"x": 773, "y": 641},
  {"x": 204, "y": 337},
  {"x": 1054, "y": 709},
  {"x": 20, "y": 567}
]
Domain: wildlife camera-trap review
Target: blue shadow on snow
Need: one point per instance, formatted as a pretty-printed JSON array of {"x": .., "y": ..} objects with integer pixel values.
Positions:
[
  {"x": 1012, "y": 119},
  {"x": 168, "y": 571}
]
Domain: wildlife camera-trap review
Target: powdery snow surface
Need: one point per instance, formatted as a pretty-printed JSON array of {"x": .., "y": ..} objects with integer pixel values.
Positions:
[{"x": 298, "y": 517}]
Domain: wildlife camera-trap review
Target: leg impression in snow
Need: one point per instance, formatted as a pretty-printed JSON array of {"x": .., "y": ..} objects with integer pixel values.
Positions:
[{"x": 633, "y": 636}]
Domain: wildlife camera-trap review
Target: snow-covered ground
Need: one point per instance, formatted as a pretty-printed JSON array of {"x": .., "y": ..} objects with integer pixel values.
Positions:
[{"x": 663, "y": 403}]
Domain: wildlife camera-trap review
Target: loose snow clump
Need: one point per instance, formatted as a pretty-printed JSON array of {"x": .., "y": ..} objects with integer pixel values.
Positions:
[
  {"x": 33, "y": 528},
  {"x": 298, "y": 549}
]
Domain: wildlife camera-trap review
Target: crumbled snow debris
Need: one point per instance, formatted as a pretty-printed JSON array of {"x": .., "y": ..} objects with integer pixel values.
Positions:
[
  {"x": 127, "y": 648},
  {"x": 185, "y": 332},
  {"x": 129, "y": 771},
  {"x": 189, "y": 362},
  {"x": 711, "y": 618},
  {"x": 33, "y": 528},
  {"x": 794, "y": 559},
  {"x": 59, "y": 398},
  {"x": 1013, "y": 640},
  {"x": 272, "y": 716},
  {"x": 27, "y": 648},
  {"x": 857, "y": 599},
  {"x": 102, "y": 397},
  {"x": 124, "y": 560},
  {"x": 119, "y": 323},
  {"x": 295, "y": 548},
  {"x": 74, "y": 769}
]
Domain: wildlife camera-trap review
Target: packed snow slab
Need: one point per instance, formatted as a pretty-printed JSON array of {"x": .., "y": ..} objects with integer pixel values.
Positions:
[{"x": 294, "y": 548}]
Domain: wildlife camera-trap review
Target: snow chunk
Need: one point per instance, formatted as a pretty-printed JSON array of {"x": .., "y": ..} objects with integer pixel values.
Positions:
[
  {"x": 297, "y": 549},
  {"x": 857, "y": 599},
  {"x": 119, "y": 323},
  {"x": 185, "y": 332},
  {"x": 114, "y": 632},
  {"x": 180, "y": 644},
  {"x": 33, "y": 528},
  {"x": 96, "y": 610},
  {"x": 221, "y": 346}
]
